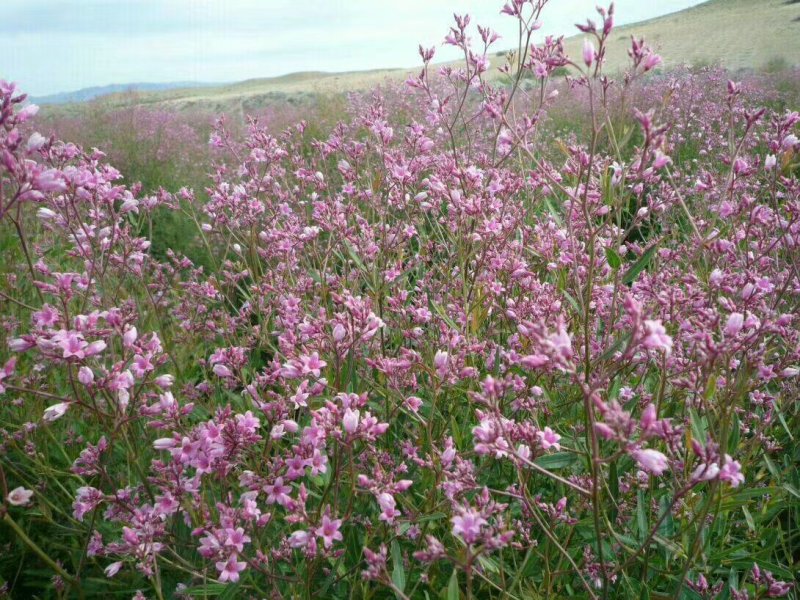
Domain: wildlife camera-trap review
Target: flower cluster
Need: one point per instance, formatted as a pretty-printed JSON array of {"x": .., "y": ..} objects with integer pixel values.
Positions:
[{"x": 443, "y": 345}]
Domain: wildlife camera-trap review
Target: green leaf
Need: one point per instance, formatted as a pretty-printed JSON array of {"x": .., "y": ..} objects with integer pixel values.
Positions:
[
  {"x": 613, "y": 258},
  {"x": 440, "y": 311},
  {"x": 674, "y": 548},
  {"x": 231, "y": 591},
  {"x": 711, "y": 387},
  {"x": 398, "y": 572},
  {"x": 572, "y": 301},
  {"x": 488, "y": 564},
  {"x": 641, "y": 514},
  {"x": 633, "y": 272},
  {"x": 559, "y": 460},
  {"x": 785, "y": 426},
  {"x": 453, "y": 592},
  {"x": 355, "y": 257},
  {"x": 618, "y": 345},
  {"x": 771, "y": 467},
  {"x": 209, "y": 590},
  {"x": 698, "y": 426},
  {"x": 749, "y": 518},
  {"x": 551, "y": 208},
  {"x": 791, "y": 489},
  {"x": 666, "y": 529}
]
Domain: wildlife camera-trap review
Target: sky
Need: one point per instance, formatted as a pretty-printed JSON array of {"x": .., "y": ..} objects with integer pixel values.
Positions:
[{"x": 50, "y": 46}]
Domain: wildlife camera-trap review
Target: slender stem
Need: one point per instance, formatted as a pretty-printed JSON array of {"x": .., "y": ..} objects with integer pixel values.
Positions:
[{"x": 37, "y": 550}]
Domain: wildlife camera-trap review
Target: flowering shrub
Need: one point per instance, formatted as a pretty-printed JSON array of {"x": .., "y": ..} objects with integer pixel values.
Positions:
[{"x": 444, "y": 354}]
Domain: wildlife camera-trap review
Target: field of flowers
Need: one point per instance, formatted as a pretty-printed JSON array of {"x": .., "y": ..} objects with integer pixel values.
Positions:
[{"x": 531, "y": 340}]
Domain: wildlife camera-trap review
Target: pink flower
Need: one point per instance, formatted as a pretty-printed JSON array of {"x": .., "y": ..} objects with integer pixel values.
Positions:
[
  {"x": 35, "y": 141},
  {"x": 656, "y": 337},
  {"x": 652, "y": 61},
  {"x": 95, "y": 348},
  {"x": 7, "y": 371},
  {"x": 298, "y": 539},
  {"x": 19, "y": 496},
  {"x": 329, "y": 530},
  {"x": 731, "y": 472},
  {"x": 339, "y": 332},
  {"x": 164, "y": 444},
  {"x": 467, "y": 525},
  {"x": 648, "y": 417},
  {"x": 312, "y": 365},
  {"x": 20, "y": 344},
  {"x": 85, "y": 375},
  {"x": 278, "y": 493},
  {"x": 548, "y": 439},
  {"x": 705, "y": 472},
  {"x": 222, "y": 371},
  {"x": 113, "y": 568},
  {"x": 388, "y": 511},
  {"x": 55, "y": 412},
  {"x": 651, "y": 460},
  {"x": 229, "y": 569},
  {"x": 589, "y": 52},
  {"x": 734, "y": 324},
  {"x": 72, "y": 344},
  {"x": 413, "y": 403},
  {"x": 350, "y": 421},
  {"x": 236, "y": 538},
  {"x": 440, "y": 361},
  {"x": 129, "y": 337}
]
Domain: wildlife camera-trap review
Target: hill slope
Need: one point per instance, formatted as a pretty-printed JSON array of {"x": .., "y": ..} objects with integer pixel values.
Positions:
[
  {"x": 91, "y": 93},
  {"x": 735, "y": 33}
]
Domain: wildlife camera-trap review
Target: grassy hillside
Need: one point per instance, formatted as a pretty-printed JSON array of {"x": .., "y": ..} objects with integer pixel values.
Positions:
[{"x": 735, "y": 33}]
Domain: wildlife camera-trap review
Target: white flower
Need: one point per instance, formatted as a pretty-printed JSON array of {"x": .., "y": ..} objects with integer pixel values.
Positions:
[
  {"x": 55, "y": 412},
  {"x": 19, "y": 496}
]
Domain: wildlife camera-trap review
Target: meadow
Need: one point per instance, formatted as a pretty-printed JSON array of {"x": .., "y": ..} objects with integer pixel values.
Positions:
[{"x": 522, "y": 334}]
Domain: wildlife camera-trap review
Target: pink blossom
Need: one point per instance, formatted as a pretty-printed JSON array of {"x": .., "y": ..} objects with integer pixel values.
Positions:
[
  {"x": 549, "y": 439},
  {"x": 329, "y": 530},
  {"x": 229, "y": 569},
  {"x": 19, "y": 496},
  {"x": 440, "y": 361},
  {"x": 731, "y": 472},
  {"x": 85, "y": 375},
  {"x": 413, "y": 403},
  {"x": 6, "y": 372},
  {"x": 113, "y": 569},
  {"x": 651, "y": 460},
  {"x": 705, "y": 472},
  {"x": 589, "y": 52},
  {"x": 278, "y": 493},
  {"x": 652, "y": 61},
  {"x": 656, "y": 337},
  {"x": 298, "y": 539},
  {"x": 467, "y": 525},
  {"x": 734, "y": 324},
  {"x": 388, "y": 511},
  {"x": 350, "y": 421},
  {"x": 55, "y": 412}
]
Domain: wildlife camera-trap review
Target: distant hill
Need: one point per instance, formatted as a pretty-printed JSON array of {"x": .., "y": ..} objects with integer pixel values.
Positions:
[
  {"x": 738, "y": 34},
  {"x": 91, "y": 93}
]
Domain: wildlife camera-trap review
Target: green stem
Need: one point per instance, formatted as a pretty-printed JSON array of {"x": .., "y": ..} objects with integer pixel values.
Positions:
[{"x": 37, "y": 550}]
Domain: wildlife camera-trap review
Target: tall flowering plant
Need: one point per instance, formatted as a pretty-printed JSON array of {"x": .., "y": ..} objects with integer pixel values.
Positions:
[{"x": 439, "y": 351}]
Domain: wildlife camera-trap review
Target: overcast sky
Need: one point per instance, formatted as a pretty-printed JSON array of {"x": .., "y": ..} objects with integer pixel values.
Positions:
[{"x": 52, "y": 46}]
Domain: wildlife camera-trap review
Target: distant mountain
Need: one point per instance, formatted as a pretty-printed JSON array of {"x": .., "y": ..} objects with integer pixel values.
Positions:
[
  {"x": 736, "y": 34},
  {"x": 90, "y": 93}
]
